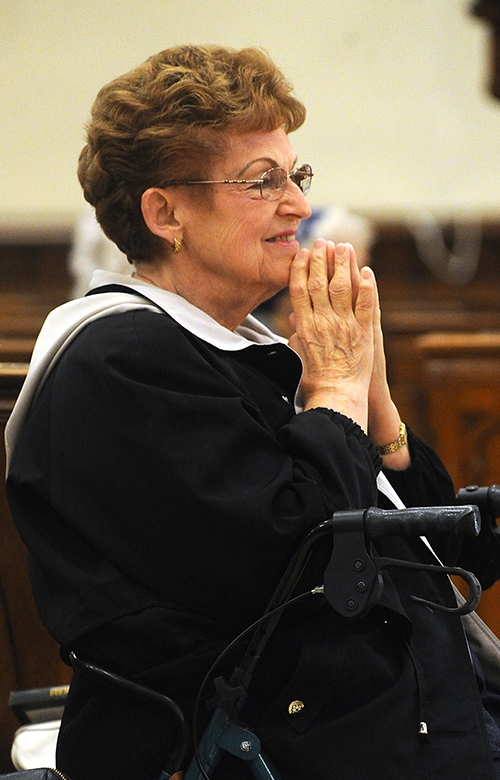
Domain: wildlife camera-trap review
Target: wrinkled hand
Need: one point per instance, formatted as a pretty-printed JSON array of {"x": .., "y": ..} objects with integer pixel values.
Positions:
[
  {"x": 338, "y": 335},
  {"x": 333, "y": 314}
]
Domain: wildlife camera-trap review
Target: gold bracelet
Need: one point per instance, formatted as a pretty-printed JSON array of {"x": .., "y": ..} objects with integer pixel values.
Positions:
[{"x": 394, "y": 446}]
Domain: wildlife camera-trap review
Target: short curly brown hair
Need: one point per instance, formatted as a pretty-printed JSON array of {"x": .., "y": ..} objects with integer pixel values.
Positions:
[{"x": 165, "y": 120}]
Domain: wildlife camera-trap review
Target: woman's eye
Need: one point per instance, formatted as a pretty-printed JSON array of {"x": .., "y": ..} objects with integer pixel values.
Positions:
[{"x": 254, "y": 187}]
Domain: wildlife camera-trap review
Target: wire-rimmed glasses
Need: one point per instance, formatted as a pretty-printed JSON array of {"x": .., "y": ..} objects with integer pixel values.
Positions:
[{"x": 271, "y": 185}]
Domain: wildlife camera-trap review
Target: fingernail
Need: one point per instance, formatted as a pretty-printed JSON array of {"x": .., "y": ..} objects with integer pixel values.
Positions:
[
  {"x": 340, "y": 249},
  {"x": 319, "y": 243}
]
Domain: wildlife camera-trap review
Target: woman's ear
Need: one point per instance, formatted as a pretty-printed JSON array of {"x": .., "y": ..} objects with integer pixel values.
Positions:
[{"x": 159, "y": 215}]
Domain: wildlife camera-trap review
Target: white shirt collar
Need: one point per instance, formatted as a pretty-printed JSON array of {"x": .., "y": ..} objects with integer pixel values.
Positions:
[{"x": 196, "y": 321}]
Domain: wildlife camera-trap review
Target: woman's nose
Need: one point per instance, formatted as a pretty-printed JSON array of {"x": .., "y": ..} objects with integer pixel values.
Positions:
[{"x": 294, "y": 199}]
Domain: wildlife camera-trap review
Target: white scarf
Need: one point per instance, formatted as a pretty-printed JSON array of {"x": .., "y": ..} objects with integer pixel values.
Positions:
[{"x": 65, "y": 323}]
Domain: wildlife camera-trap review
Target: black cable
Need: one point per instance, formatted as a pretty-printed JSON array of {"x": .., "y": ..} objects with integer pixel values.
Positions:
[
  {"x": 227, "y": 649},
  {"x": 141, "y": 692}
]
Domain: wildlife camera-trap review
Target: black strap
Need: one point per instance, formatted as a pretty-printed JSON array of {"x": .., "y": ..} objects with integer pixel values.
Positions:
[
  {"x": 121, "y": 288},
  {"x": 36, "y": 774}
]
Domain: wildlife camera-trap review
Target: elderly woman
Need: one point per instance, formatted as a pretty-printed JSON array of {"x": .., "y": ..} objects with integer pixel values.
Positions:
[{"x": 168, "y": 452}]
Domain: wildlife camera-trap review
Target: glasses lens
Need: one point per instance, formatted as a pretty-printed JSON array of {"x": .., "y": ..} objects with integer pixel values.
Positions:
[
  {"x": 273, "y": 183},
  {"x": 302, "y": 177}
]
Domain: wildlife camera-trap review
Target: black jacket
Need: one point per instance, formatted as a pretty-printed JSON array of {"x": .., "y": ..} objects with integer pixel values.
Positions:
[{"x": 161, "y": 485}]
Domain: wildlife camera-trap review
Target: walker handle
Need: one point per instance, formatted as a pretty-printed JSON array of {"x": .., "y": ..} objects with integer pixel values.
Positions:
[{"x": 462, "y": 520}]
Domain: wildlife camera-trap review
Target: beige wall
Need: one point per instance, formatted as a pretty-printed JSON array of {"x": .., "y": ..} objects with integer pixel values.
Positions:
[{"x": 398, "y": 114}]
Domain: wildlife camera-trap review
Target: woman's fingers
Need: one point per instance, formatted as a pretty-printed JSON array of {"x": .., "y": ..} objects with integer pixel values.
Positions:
[
  {"x": 297, "y": 285},
  {"x": 324, "y": 279},
  {"x": 367, "y": 299},
  {"x": 321, "y": 266},
  {"x": 330, "y": 259},
  {"x": 325, "y": 285},
  {"x": 340, "y": 286},
  {"x": 354, "y": 267}
]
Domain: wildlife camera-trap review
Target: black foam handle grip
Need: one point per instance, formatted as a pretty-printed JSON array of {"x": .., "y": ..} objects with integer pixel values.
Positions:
[{"x": 462, "y": 520}]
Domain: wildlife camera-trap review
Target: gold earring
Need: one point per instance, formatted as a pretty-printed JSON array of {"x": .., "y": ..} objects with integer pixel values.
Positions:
[{"x": 176, "y": 248}]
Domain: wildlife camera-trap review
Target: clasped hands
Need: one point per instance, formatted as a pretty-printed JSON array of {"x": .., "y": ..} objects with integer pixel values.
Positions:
[{"x": 338, "y": 336}]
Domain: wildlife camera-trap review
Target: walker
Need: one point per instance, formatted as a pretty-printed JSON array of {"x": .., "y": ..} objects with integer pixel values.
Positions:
[{"x": 352, "y": 585}]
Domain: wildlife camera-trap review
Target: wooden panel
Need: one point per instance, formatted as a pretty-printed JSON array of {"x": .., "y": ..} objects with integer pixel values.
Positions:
[
  {"x": 461, "y": 376},
  {"x": 16, "y": 350},
  {"x": 33, "y": 280}
]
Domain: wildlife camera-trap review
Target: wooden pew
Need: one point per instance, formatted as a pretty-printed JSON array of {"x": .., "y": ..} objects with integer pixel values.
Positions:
[
  {"x": 16, "y": 349},
  {"x": 461, "y": 379},
  {"x": 460, "y": 376},
  {"x": 29, "y": 657}
]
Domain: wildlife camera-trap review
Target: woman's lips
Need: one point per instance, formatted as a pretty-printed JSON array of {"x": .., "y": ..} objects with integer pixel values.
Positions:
[{"x": 282, "y": 238}]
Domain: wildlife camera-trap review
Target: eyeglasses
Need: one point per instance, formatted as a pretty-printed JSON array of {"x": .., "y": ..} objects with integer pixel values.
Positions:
[{"x": 271, "y": 185}]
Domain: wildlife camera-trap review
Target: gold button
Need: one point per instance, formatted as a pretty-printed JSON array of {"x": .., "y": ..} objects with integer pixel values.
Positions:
[{"x": 295, "y": 707}]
